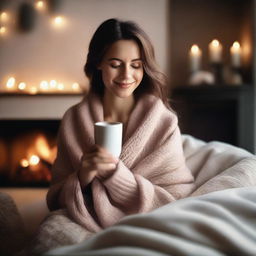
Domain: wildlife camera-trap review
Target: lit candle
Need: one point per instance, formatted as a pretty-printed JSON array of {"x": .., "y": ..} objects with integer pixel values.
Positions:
[
  {"x": 215, "y": 51},
  {"x": 195, "y": 55},
  {"x": 235, "y": 51}
]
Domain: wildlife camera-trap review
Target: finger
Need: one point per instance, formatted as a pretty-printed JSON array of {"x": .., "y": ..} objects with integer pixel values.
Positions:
[
  {"x": 101, "y": 156},
  {"x": 105, "y": 153},
  {"x": 105, "y": 173}
]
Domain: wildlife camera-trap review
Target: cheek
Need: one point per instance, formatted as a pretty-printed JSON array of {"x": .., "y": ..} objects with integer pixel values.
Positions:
[
  {"x": 107, "y": 76},
  {"x": 139, "y": 76}
]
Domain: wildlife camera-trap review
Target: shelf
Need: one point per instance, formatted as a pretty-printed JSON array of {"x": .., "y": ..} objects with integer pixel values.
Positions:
[
  {"x": 223, "y": 113},
  {"x": 36, "y": 106}
]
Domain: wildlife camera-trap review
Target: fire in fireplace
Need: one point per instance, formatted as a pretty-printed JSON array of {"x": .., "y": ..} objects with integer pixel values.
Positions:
[{"x": 27, "y": 152}]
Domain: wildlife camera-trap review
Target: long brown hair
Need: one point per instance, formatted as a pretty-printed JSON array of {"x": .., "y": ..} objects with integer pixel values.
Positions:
[{"x": 112, "y": 30}]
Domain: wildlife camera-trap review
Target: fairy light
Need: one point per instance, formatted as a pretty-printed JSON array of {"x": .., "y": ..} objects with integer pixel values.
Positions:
[
  {"x": 58, "y": 22},
  {"x": 44, "y": 86},
  {"x": 60, "y": 87},
  {"x": 40, "y": 5},
  {"x": 10, "y": 83},
  {"x": 75, "y": 86},
  {"x": 33, "y": 90},
  {"x": 53, "y": 84},
  {"x": 3, "y": 30},
  {"x": 4, "y": 17},
  {"x": 22, "y": 86}
]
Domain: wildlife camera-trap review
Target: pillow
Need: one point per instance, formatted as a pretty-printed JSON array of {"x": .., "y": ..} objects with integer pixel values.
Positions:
[{"x": 12, "y": 232}]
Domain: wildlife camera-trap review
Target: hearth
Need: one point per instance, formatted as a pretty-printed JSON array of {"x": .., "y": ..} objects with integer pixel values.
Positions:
[{"x": 27, "y": 151}]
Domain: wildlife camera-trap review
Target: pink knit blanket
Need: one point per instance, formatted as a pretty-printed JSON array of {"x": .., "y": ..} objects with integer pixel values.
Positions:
[{"x": 151, "y": 171}]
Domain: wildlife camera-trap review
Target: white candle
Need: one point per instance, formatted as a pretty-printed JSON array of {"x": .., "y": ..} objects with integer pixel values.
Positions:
[
  {"x": 235, "y": 52},
  {"x": 215, "y": 51},
  {"x": 195, "y": 55}
]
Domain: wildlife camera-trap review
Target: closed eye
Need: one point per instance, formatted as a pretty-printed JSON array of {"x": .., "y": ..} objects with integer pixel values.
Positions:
[
  {"x": 115, "y": 65},
  {"x": 136, "y": 66}
]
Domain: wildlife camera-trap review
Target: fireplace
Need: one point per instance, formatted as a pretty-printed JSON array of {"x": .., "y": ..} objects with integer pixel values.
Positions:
[
  {"x": 27, "y": 151},
  {"x": 28, "y": 129}
]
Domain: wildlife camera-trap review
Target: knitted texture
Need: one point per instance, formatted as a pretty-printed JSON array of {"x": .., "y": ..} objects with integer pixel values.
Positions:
[{"x": 151, "y": 170}]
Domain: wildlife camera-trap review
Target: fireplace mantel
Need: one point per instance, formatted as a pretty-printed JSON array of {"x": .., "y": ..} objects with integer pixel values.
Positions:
[{"x": 41, "y": 106}]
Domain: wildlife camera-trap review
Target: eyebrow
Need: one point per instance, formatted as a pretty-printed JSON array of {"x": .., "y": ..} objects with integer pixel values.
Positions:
[{"x": 121, "y": 60}]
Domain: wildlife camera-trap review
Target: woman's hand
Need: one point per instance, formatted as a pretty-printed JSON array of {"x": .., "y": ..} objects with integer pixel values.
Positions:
[{"x": 99, "y": 162}]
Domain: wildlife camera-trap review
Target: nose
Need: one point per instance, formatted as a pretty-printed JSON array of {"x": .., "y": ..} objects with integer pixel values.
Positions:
[{"x": 126, "y": 72}]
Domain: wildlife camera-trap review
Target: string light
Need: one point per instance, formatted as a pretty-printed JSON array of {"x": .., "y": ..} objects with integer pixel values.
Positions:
[
  {"x": 3, "y": 30},
  {"x": 40, "y": 5},
  {"x": 10, "y": 83},
  {"x": 4, "y": 17},
  {"x": 22, "y": 86},
  {"x": 58, "y": 22}
]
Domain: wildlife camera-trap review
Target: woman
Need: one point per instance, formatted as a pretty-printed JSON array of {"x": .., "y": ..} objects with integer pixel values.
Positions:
[{"x": 95, "y": 188}]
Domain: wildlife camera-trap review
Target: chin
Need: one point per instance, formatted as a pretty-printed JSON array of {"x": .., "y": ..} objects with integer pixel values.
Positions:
[{"x": 124, "y": 95}]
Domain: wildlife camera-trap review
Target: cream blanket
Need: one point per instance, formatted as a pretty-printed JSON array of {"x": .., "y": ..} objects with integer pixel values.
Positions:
[
  {"x": 217, "y": 219},
  {"x": 216, "y": 166},
  {"x": 151, "y": 171},
  {"x": 216, "y": 224}
]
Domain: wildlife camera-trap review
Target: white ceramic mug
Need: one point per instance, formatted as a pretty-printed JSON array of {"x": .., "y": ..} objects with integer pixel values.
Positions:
[{"x": 109, "y": 136}]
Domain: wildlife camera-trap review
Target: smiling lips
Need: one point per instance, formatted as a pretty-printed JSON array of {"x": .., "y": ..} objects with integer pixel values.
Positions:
[{"x": 124, "y": 85}]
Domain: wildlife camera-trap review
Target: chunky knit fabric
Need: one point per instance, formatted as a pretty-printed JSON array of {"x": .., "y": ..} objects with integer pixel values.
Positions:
[{"x": 151, "y": 171}]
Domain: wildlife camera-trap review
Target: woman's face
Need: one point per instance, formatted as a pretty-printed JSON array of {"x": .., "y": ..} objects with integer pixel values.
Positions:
[{"x": 122, "y": 69}]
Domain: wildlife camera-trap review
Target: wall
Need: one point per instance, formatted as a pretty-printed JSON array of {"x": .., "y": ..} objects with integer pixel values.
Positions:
[
  {"x": 199, "y": 22},
  {"x": 46, "y": 53}
]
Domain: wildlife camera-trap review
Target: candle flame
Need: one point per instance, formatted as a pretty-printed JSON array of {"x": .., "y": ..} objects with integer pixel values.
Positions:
[
  {"x": 215, "y": 43},
  {"x": 236, "y": 45},
  {"x": 195, "y": 49}
]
